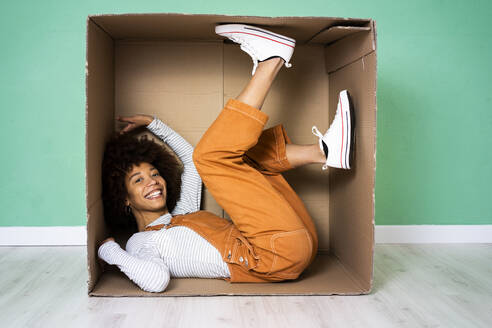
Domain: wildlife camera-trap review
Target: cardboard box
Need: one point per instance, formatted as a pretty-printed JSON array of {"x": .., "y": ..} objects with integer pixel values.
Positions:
[{"x": 175, "y": 66}]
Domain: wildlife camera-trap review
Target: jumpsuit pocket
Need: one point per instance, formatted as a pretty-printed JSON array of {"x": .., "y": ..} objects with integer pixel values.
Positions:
[{"x": 242, "y": 253}]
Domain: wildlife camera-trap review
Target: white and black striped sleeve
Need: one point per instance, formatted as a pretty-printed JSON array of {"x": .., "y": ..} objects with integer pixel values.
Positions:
[
  {"x": 191, "y": 183},
  {"x": 141, "y": 264}
]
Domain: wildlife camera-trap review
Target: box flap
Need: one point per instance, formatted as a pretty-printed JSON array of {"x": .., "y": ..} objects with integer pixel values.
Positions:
[
  {"x": 350, "y": 48},
  {"x": 100, "y": 99},
  {"x": 201, "y": 26},
  {"x": 99, "y": 122},
  {"x": 335, "y": 33}
]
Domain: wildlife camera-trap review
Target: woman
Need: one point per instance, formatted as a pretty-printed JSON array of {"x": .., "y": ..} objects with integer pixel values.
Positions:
[{"x": 271, "y": 236}]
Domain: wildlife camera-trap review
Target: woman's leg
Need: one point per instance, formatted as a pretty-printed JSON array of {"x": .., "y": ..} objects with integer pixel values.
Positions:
[
  {"x": 254, "y": 94},
  {"x": 261, "y": 213},
  {"x": 273, "y": 154},
  {"x": 256, "y": 90},
  {"x": 299, "y": 155}
]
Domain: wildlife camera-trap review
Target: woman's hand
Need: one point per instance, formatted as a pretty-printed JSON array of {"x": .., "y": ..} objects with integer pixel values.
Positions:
[
  {"x": 134, "y": 121},
  {"x": 103, "y": 264},
  {"x": 107, "y": 239}
]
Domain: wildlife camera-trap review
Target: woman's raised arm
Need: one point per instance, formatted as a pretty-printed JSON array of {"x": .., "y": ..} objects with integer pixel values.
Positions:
[{"x": 191, "y": 183}]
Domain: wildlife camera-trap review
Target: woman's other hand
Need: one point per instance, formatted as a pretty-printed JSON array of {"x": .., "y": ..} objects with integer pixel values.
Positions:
[
  {"x": 107, "y": 239},
  {"x": 134, "y": 121},
  {"x": 103, "y": 264}
]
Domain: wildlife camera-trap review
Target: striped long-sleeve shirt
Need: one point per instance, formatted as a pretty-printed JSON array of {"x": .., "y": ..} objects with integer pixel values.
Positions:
[{"x": 153, "y": 257}]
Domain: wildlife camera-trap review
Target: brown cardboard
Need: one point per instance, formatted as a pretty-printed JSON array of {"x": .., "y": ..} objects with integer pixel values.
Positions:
[
  {"x": 325, "y": 277},
  {"x": 349, "y": 49},
  {"x": 176, "y": 67},
  {"x": 99, "y": 121},
  {"x": 336, "y": 33},
  {"x": 352, "y": 227}
]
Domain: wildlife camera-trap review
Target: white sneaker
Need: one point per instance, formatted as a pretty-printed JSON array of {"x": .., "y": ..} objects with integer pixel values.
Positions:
[
  {"x": 260, "y": 44},
  {"x": 339, "y": 140}
]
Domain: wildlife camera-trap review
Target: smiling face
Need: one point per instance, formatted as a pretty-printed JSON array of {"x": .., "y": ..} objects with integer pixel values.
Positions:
[{"x": 146, "y": 189}]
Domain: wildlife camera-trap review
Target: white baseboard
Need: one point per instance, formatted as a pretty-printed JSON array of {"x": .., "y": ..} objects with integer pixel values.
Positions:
[
  {"x": 43, "y": 236},
  {"x": 416, "y": 234},
  {"x": 385, "y": 234}
]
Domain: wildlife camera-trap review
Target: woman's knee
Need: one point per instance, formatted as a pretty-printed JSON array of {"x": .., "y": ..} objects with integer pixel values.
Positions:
[
  {"x": 293, "y": 251},
  {"x": 201, "y": 155}
]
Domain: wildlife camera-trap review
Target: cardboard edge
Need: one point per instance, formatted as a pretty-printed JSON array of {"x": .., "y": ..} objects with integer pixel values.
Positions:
[
  {"x": 329, "y": 35},
  {"x": 374, "y": 34},
  {"x": 229, "y": 15},
  {"x": 350, "y": 275},
  {"x": 92, "y": 281},
  {"x": 235, "y": 294},
  {"x": 336, "y": 21},
  {"x": 89, "y": 287},
  {"x": 336, "y": 56},
  {"x": 371, "y": 282},
  {"x": 365, "y": 279}
]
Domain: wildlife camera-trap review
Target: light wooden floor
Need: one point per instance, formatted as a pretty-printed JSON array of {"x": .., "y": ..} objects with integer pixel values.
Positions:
[{"x": 426, "y": 285}]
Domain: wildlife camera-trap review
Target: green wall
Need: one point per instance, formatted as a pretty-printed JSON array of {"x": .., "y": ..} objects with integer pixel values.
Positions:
[{"x": 434, "y": 104}]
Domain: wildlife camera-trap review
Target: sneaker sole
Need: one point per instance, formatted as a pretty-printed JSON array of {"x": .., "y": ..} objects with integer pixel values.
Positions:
[
  {"x": 255, "y": 31},
  {"x": 350, "y": 119}
]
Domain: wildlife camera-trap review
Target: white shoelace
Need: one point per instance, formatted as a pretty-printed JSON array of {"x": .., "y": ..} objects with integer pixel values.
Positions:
[
  {"x": 254, "y": 56},
  {"x": 317, "y": 133}
]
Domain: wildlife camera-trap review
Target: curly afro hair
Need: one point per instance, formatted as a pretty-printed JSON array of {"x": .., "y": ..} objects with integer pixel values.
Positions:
[{"x": 122, "y": 152}]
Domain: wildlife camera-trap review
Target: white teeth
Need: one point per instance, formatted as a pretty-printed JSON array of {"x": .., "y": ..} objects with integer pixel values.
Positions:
[{"x": 155, "y": 193}]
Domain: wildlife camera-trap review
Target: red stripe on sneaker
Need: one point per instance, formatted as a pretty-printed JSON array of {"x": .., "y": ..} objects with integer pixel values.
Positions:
[
  {"x": 260, "y": 37},
  {"x": 341, "y": 114}
]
